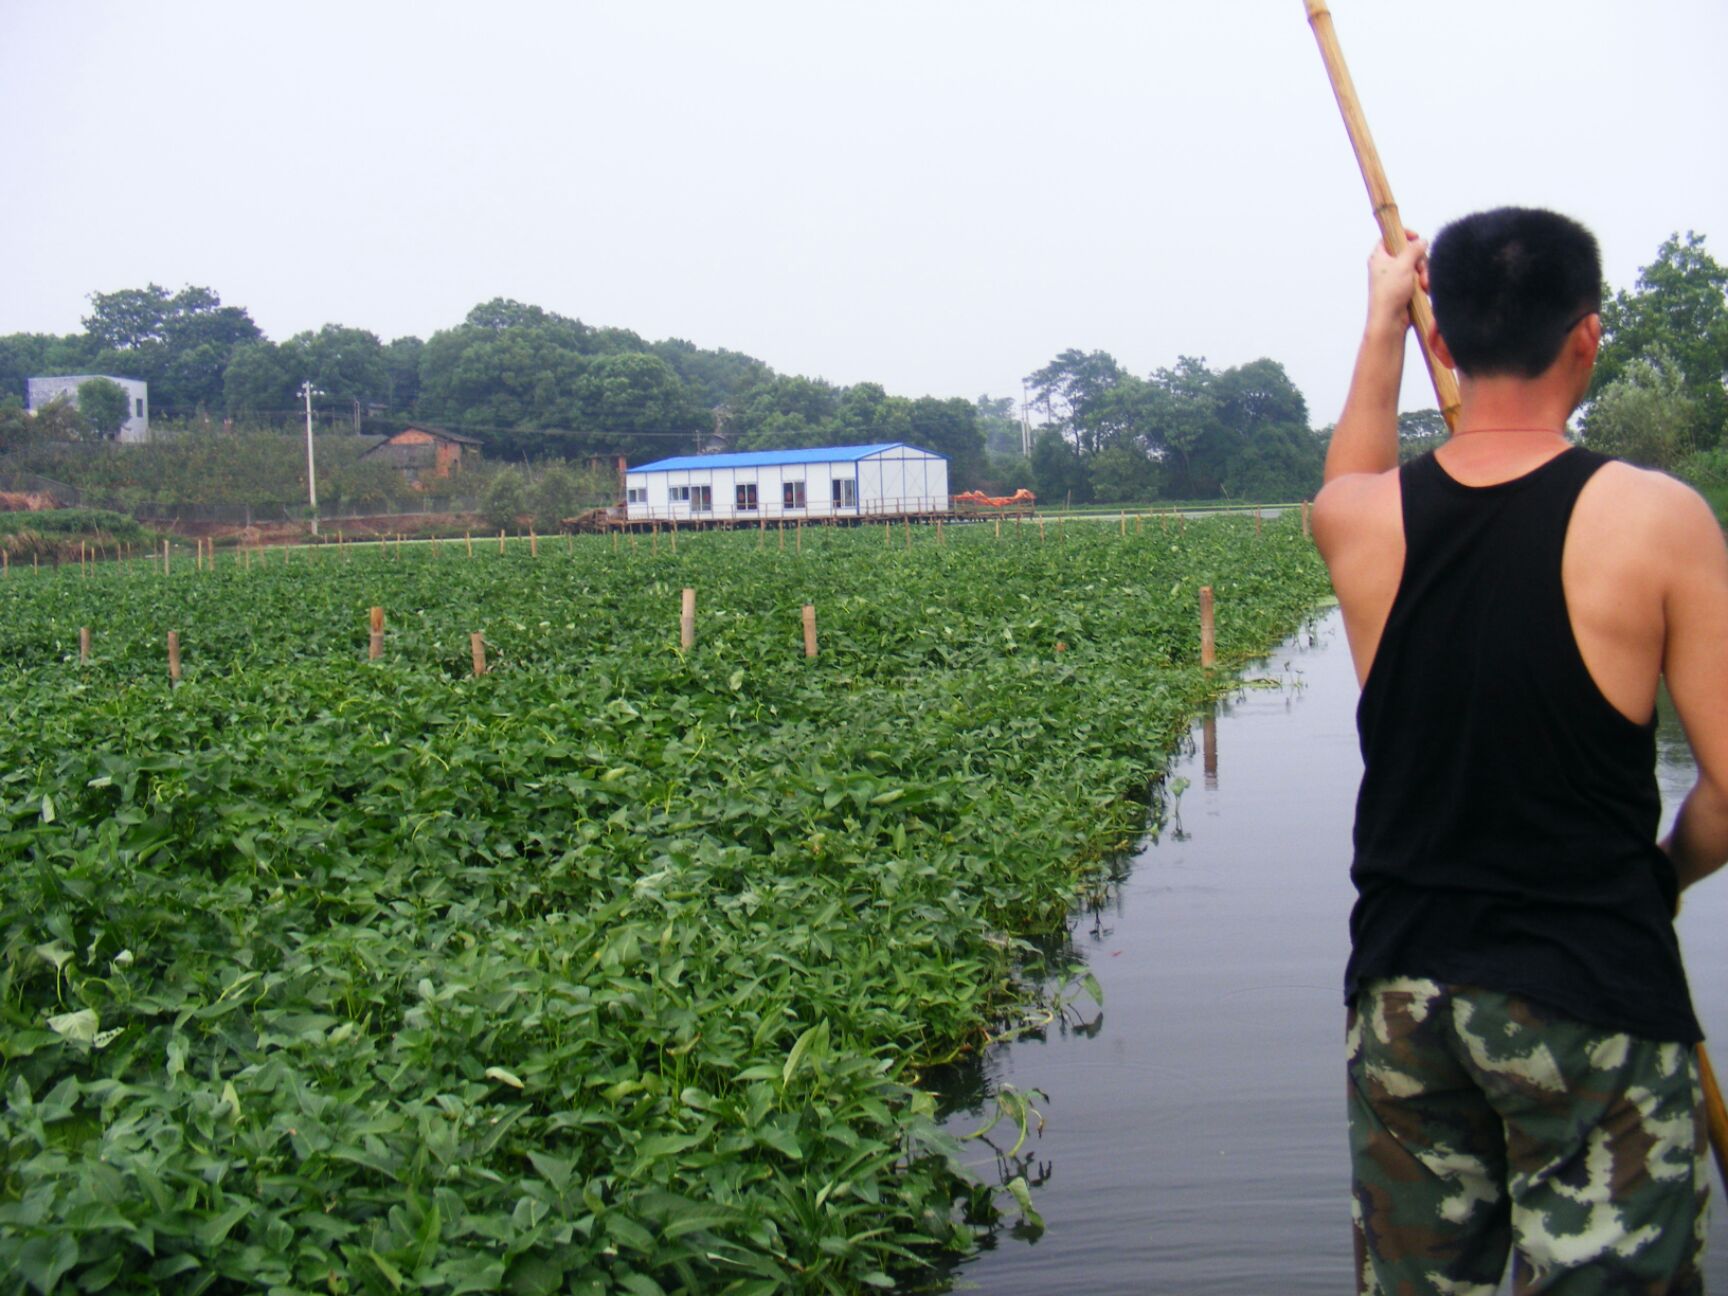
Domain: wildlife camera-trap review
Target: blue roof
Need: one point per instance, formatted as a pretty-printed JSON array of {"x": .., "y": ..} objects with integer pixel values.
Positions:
[{"x": 764, "y": 458}]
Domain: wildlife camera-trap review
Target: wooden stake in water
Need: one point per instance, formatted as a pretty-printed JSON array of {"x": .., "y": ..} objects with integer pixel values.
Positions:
[
  {"x": 809, "y": 629},
  {"x": 376, "y": 650},
  {"x": 1208, "y": 641},
  {"x": 687, "y": 621},
  {"x": 83, "y": 643},
  {"x": 174, "y": 656},
  {"x": 477, "y": 648}
]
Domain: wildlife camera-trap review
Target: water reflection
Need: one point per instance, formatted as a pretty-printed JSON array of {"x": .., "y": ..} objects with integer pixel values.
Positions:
[{"x": 1192, "y": 1136}]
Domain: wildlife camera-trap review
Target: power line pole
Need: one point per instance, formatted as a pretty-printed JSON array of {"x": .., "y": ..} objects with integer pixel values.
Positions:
[{"x": 306, "y": 390}]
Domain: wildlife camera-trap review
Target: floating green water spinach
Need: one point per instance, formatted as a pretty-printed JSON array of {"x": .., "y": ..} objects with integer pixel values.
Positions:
[{"x": 614, "y": 970}]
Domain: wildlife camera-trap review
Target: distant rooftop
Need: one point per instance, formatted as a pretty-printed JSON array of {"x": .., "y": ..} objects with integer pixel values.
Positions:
[{"x": 765, "y": 458}]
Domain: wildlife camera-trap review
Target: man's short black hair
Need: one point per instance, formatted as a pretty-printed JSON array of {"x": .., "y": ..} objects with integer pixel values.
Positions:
[{"x": 1509, "y": 285}]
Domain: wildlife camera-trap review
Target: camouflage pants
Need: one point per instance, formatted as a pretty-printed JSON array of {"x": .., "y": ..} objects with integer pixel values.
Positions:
[{"x": 1481, "y": 1124}]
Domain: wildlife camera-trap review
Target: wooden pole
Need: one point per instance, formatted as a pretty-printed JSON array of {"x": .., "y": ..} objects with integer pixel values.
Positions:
[
  {"x": 1305, "y": 523},
  {"x": 468, "y": 539},
  {"x": 477, "y": 648},
  {"x": 809, "y": 629},
  {"x": 83, "y": 643},
  {"x": 798, "y": 540},
  {"x": 1256, "y": 522},
  {"x": 1715, "y": 1113},
  {"x": 5, "y": 562},
  {"x": 1380, "y": 196},
  {"x": 173, "y": 656},
  {"x": 998, "y": 528},
  {"x": 500, "y": 541},
  {"x": 1208, "y": 642},
  {"x": 376, "y": 649},
  {"x": 533, "y": 544},
  {"x": 887, "y": 533},
  {"x": 164, "y": 557},
  {"x": 939, "y": 531},
  {"x": 1040, "y": 530},
  {"x": 687, "y": 621},
  {"x": 1122, "y": 518}
]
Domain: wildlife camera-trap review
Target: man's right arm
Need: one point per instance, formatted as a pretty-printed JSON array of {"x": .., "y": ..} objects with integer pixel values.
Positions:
[{"x": 1695, "y": 664}]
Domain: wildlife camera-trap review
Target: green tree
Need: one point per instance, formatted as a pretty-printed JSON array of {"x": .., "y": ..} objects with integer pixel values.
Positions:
[
  {"x": 179, "y": 343},
  {"x": 1420, "y": 431},
  {"x": 402, "y": 362},
  {"x": 1646, "y": 416},
  {"x": 1680, "y": 309},
  {"x": 999, "y": 424},
  {"x": 258, "y": 380},
  {"x": 346, "y": 364},
  {"x": 555, "y": 495},
  {"x": 505, "y": 500},
  {"x": 950, "y": 428},
  {"x": 103, "y": 406},
  {"x": 1059, "y": 470}
]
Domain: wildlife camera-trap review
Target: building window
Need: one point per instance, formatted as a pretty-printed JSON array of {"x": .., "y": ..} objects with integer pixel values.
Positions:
[
  {"x": 746, "y": 497},
  {"x": 845, "y": 492},
  {"x": 701, "y": 499},
  {"x": 679, "y": 494},
  {"x": 140, "y": 412},
  {"x": 792, "y": 494},
  {"x": 636, "y": 495}
]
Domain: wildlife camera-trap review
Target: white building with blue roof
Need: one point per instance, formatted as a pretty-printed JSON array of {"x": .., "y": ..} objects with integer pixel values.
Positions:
[{"x": 828, "y": 483}]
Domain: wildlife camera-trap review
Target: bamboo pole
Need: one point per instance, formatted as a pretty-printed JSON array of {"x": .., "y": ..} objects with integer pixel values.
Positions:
[
  {"x": 1208, "y": 640},
  {"x": 500, "y": 541},
  {"x": 1305, "y": 523},
  {"x": 1392, "y": 230},
  {"x": 998, "y": 528},
  {"x": 164, "y": 557},
  {"x": 468, "y": 539},
  {"x": 173, "y": 656},
  {"x": 1715, "y": 1113},
  {"x": 477, "y": 649},
  {"x": 687, "y": 621},
  {"x": 83, "y": 643},
  {"x": 809, "y": 629},
  {"x": 376, "y": 648}
]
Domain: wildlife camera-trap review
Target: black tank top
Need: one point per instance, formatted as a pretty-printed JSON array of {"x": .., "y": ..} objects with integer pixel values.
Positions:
[{"x": 1506, "y": 826}]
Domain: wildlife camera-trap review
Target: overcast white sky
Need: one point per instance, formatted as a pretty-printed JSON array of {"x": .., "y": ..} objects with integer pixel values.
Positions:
[{"x": 938, "y": 196}]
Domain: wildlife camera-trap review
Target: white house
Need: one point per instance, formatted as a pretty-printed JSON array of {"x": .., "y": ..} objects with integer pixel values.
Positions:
[
  {"x": 39, "y": 391},
  {"x": 829, "y": 482}
]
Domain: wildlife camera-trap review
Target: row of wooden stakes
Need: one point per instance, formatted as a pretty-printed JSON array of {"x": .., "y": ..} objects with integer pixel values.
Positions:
[{"x": 686, "y": 636}]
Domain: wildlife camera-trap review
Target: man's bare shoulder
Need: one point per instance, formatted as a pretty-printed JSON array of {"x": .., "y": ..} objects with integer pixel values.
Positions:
[
  {"x": 1651, "y": 504},
  {"x": 1356, "y": 506}
]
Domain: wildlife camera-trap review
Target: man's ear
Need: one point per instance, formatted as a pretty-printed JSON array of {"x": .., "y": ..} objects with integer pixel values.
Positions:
[{"x": 1437, "y": 345}]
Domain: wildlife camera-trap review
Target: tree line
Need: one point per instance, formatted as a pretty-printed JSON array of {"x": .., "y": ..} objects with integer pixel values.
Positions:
[{"x": 532, "y": 384}]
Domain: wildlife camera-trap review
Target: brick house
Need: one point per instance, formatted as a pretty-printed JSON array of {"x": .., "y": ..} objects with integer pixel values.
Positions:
[{"x": 424, "y": 454}]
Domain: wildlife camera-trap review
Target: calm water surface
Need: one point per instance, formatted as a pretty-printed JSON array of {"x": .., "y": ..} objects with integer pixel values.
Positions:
[{"x": 1194, "y": 1134}]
